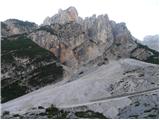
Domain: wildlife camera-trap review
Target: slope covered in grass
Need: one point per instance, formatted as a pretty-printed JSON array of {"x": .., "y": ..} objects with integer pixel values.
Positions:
[{"x": 26, "y": 67}]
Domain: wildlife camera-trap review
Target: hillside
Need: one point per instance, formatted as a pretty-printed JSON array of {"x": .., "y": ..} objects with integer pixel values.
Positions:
[
  {"x": 69, "y": 67},
  {"x": 26, "y": 67},
  {"x": 13, "y": 26},
  {"x": 119, "y": 86}
]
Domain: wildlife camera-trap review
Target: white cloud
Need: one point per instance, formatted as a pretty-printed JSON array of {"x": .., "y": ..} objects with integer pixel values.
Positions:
[{"x": 141, "y": 16}]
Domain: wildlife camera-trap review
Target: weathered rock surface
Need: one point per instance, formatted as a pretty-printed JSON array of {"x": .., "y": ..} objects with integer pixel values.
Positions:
[
  {"x": 85, "y": 53},
  {"x": 124, "y": 85},
  {"x": 14, "y": 26},
  {"x": 25, "y": 67},
  {"x": 63, "y": 16},
  {"x": 77, "y": 43}
]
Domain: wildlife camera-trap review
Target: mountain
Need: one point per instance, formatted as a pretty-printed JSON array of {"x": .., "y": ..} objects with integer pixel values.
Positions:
[
  {"x": 152, "y": 41},
  {"x": 83, "y": 41},
  {"x": 26, "y": 67},
  {"x": 125, "y": 88},
  {"x": 63, "y": 16},
  {"x": 79, "y": 66},
  {"x": 14, "y": 26}
]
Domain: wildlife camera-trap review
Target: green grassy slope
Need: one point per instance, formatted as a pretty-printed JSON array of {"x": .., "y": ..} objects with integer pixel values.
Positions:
[{"x": 26, "y": 67}]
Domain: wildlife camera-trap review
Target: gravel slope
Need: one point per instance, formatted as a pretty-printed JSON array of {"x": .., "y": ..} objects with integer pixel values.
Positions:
[{"x": 126, "y": 76}]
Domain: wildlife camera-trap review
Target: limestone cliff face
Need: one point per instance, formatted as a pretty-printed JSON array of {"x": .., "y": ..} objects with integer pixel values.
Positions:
[
  {"x": 65, "y": 48},
  {"x": 84, "y": 40},
  {"x": 77, "y": 42},
  {"x": 123, "y": 42},
  {"x": 63, "y": 16}
]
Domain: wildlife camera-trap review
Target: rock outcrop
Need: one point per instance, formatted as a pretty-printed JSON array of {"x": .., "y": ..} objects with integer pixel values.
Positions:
[
  {"x": 63, "y": 16},
  {"x": 77, "y": 42},
  {"x": 14, "y": 26},
  {"x": 26, "y": 67},
  {"x": 73, "y": 53},
  {"x": 125, "y": 88}
]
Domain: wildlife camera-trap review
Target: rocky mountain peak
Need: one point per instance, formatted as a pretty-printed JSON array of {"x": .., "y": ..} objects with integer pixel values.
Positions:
[
  {"x": 76, "y": 41},
  {"x": 63, "y": 16},
  {"x": 71, "y": 53}
]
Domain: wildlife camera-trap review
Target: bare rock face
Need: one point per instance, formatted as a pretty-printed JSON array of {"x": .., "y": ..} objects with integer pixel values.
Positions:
[
  {"x": 14, "y": 26},
  {"x": 123, "y": 42},
  {"x": 63, "y": 16},
  {"x": 123, "y": 88},
  {"x": 26, "y": 67},
  {"x": 85, "y": 53},
  {"x": 77, "y": 42},
  {"x": 85, "y": 40}
]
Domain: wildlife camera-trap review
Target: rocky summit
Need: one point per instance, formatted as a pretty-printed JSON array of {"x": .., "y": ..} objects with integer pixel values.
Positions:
[
  {"x": 63, "y": 16},
  {"x": 70, "y": 67},
  {"x": 95, "y": 39}
]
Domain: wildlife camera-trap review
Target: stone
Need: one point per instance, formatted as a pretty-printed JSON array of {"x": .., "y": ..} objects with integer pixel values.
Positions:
[
  {"x": 63, "y": 16},
  {"x": 14, "y": 26}
]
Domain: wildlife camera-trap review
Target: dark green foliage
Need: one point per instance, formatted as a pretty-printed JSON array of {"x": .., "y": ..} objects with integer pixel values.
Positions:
[
  {"x": 152, "y": 116},
  {"x": 117, "y": 44},
  {"x": 6, "y": 113},
  {"x": 16, "y": 115},
  {"x": 137, "y": 103},
  {"x": 153, "y": 112},
  {"x": 44, "y": 71},
  {"x": 22, "y": 47},
  {"x": 40, "y": 107},
  {"x": 133, "y": 116},
  {"x": 153, "y": 59},
  {"x": 90, "y": 114},
  {"x": 7, "y": 58},
  {"x": 53, "y": 112},
  {"x": 46, "y": 74},
  {"x": 42, "y": 114},
  {"x": 11, "y": 91}
]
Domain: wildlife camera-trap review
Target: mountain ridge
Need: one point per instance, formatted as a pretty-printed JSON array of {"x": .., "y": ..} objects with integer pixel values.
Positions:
[{"x": 66, "y": 51}]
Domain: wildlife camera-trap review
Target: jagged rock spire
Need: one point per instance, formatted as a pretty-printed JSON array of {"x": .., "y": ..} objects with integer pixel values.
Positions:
[{"x": 63, "y": 16}]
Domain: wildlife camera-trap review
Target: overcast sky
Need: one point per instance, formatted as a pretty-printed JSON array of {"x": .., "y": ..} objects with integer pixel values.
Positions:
[{"x": 141, "y": 16}]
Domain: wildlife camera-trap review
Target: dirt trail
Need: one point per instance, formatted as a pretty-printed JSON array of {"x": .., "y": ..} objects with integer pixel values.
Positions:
[{"x": 109, "y": 98}]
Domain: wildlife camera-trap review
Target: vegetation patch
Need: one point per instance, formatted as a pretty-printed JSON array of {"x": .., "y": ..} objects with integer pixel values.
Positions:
[
  {"x": 12, "y": 91},
  {"x": 154, "y": 59},
  {"x": 39, "y": 70},
  {"x": 46, "y": 74},
  {"x": 90, "y": 114},
  {"x": 53, "y": 112}
]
